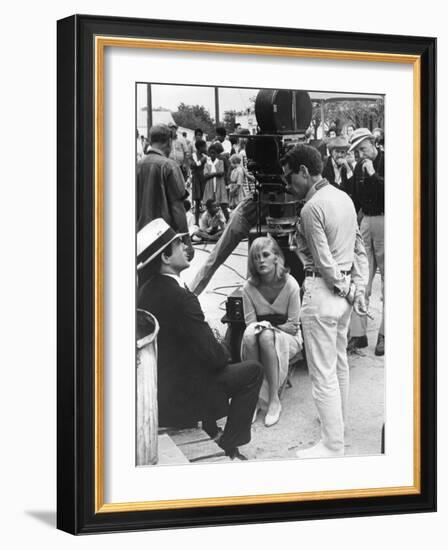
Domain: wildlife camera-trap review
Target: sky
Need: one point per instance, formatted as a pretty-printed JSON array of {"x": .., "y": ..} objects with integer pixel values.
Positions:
[{"x": 170, "y": 96}]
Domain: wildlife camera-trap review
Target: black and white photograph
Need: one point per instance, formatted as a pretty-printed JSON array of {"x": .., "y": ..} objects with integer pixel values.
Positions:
[{"x": 260, "y": 269}]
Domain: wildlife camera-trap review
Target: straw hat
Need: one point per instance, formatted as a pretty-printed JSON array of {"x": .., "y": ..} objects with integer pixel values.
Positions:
[
  {"x": 152, "y": 239},
  {"x": 358, "y": 136}
]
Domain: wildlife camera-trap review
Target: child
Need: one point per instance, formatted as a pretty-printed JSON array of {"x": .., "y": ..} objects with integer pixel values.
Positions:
[
  {"x": 237, "y": 177},
  {"x": 211, "y": 225},
  {"x": 198, "y": 161},
  {"x": 215, "y": 187}
]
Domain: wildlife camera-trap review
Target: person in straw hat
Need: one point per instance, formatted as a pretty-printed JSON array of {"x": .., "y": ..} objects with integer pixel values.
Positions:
[
  {"x": 368, "y": 196},
  {"x": 337, "y": 169},
  {"x": 196, "y": 381}
]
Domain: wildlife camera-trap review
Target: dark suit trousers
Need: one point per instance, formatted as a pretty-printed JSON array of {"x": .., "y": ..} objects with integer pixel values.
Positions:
[{"x": 241, "y": 383}]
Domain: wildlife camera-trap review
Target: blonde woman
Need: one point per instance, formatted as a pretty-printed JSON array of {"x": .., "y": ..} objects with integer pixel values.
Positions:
[{"x": 271, "y": 310}]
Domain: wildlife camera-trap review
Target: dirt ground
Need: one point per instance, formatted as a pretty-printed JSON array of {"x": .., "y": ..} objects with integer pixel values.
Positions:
[{"x": 298, "y": 426}]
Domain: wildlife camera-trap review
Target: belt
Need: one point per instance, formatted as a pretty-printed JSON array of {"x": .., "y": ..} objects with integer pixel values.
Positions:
[{"x": 311, "y": 273}]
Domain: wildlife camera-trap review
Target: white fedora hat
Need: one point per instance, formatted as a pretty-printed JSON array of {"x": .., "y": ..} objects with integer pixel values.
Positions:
[
  {"x": 152, "y": 239},
  {"x": 358, "y": 136}
]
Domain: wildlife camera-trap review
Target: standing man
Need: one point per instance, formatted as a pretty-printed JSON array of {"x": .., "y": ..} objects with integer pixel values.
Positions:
[
  {"x": 195, "y": 378},
  {"x": 160, "y": 186},
  {"x": 368, "y": 196},
  {"x": 331, "y": 249},
  {"x": 337, "y": 170}
]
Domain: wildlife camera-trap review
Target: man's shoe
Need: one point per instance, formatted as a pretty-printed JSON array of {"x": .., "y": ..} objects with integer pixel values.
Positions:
[
  {"x": 235, "y": 453},
  {"x": 379, "y": 349},
  {"x": 357, "y": 342}
]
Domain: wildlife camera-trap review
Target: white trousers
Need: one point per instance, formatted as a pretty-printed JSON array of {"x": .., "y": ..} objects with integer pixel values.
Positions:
[
  {"x": 372, "y": 231},
  {"x": 325, "y": 319}
]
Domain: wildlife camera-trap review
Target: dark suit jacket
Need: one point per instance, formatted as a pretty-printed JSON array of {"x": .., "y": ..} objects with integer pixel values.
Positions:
[
  {"x": 161, "y": 192},
  {"x": 369, "y": 190},
  {"x": 189, "y": 357}
]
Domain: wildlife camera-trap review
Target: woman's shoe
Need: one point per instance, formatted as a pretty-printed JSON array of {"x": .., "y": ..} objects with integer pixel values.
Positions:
[{"x": 272, "y": 418}]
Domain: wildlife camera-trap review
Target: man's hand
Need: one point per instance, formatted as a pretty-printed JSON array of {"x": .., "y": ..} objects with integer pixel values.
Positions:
[
  {"x": 359, "y": 305},
  {"x": 367, "y": 167}
]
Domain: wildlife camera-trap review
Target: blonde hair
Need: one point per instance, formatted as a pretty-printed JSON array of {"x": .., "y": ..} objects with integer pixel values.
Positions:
[
  {"x": 256, "y": 247},
  {"x": 235, "y": 159}
]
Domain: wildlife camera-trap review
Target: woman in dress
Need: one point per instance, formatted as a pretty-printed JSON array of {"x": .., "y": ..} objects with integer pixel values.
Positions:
[
  {"x": 214, "y": 175},
  {"x": 271, "y": 299}
]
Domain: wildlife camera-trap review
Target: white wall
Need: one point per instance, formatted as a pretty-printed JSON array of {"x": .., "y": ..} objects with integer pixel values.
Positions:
[{"x": 27, "y": 289}]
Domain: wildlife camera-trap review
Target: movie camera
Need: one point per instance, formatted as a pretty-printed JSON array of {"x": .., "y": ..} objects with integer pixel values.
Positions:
[{"x": 283, "y": 117}]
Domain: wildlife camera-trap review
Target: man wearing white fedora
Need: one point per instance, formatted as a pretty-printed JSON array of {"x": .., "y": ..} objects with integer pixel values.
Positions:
[
  {"x": 196, "y": 381},
  {"x": 368, "y": 196}
]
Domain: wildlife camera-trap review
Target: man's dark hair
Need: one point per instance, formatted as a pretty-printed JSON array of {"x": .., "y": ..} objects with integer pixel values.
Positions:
[
  {"x": 221, "y": 131},
  {"x": 200, "y": 143},
  {"x": 187, "y": 205},
  {"x": 199, "y": 131},
  {"x": 210, "y": 203},
  {"x": 306, "y": 155},
  {"x": 153, "y": 268},
  {"x": 160, "y": 133}
]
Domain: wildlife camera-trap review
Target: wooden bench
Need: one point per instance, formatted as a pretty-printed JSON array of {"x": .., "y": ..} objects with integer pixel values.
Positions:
[{"x": 193, "y": 443}]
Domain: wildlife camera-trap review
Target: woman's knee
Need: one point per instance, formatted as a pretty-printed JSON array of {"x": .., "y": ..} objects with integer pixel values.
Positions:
[
  {"x": 266, "y": 339},
  {"x": 250, "y": 340}
]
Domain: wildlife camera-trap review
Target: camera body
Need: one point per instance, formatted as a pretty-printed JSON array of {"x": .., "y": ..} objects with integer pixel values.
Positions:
[{"x": 283, "y": 116}]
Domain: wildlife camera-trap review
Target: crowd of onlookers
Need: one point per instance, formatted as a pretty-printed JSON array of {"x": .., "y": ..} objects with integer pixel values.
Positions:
[{"x": 215, "y": 176}]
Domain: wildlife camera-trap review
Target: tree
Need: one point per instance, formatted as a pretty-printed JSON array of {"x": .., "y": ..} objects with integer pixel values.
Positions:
[
  {"x": 230, "y": 120},
  {"x": 363, "y": 113},
  {"x": 194, "y": 116}
]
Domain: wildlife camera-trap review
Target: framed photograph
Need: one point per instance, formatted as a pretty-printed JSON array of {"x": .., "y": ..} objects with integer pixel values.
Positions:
[{"x": 225, "y": 352}]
